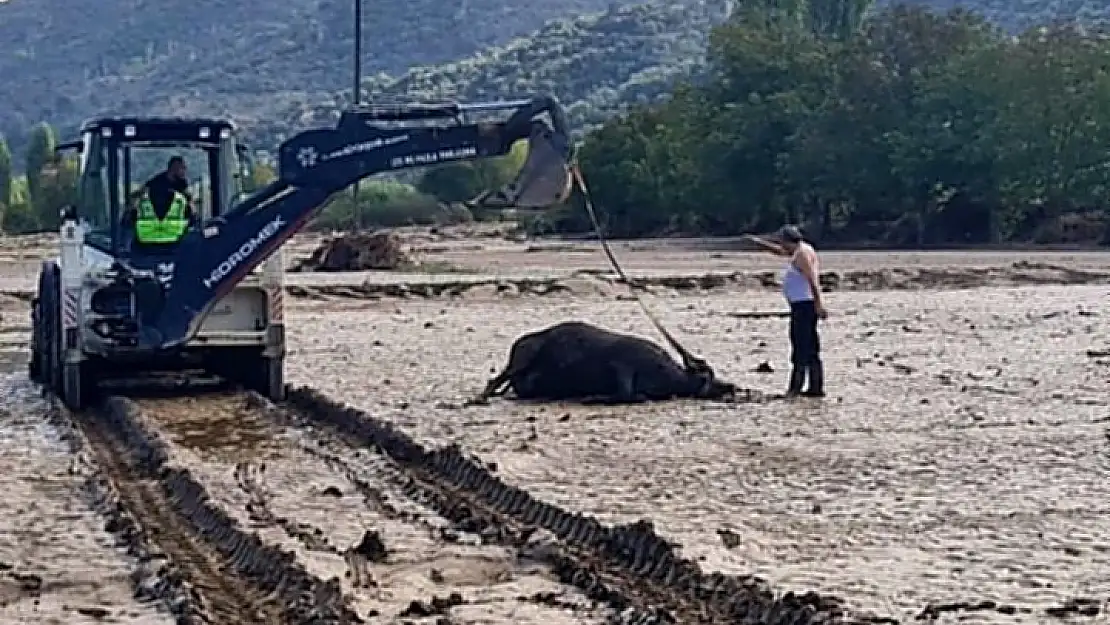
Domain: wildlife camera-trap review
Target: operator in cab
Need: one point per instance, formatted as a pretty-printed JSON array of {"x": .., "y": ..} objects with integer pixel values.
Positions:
[{"x": 161, "y": 210}]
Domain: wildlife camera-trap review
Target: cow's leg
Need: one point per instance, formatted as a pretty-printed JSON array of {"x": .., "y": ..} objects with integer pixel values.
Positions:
[
  {"x": 498, "y": 385},
  {"x": 495, "y": 387},
  {"x": 522, "y": 357}
]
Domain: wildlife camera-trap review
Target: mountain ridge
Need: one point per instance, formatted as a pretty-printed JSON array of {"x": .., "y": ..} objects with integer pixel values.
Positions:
[{"x": 277, "y": 67}]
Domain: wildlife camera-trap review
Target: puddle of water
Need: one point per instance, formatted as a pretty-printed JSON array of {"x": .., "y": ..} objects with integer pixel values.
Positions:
[{"x": 223, "y": 426}]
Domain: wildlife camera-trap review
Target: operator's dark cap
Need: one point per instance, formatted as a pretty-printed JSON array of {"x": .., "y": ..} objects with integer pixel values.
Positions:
[{"x": 791, "y": 234}]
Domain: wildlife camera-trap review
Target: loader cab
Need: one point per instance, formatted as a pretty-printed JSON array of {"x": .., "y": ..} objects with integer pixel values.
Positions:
[{"x": 119, "y": 155}]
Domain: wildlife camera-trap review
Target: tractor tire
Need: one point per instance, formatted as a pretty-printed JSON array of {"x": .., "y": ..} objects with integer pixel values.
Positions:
[
  {"x": 265, "y": 375},
  {"x": 77, "y": 385},
  {"x": 34, "y": 363},
  {"x": 56, "y": 344},
  {"x": 48, "y": 331},
  {"x": 270, "y": 373},
  {"x": 251, "y": 370}
]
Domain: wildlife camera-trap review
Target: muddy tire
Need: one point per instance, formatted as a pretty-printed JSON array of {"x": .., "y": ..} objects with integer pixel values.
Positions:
[
  {"x": 34, "y": 362},
  {"x": 252, "y": 370},
  {"x": 48, "y": 330},
  {"x": 77, "y": 385},
  {"x": 264, "y": 375},
  {"x": 267, "y": 376}
]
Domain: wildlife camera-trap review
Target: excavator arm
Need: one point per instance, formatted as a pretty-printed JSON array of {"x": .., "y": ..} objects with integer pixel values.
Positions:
[{"x": 316, "y": 164}]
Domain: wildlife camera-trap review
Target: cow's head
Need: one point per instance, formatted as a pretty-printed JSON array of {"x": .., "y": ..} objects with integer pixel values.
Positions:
[
  {"x": 697, "y": 366},
  {"x": 707, "y": 386}
]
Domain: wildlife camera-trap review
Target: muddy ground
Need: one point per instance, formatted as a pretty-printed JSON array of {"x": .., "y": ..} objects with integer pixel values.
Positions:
[{"x": 960, "y": 457}]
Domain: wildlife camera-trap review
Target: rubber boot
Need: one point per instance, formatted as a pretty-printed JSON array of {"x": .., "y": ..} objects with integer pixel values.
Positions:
[
  {"x": 816, "y": 380},
  {"x": 797, "y": 378}
]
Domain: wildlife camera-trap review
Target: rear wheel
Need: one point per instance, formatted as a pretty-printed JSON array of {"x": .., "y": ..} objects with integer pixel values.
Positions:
[
  {"x": 77, "y": 385},
  {"x": 267, "y": 376},
  {"x": 255, "y": 371}
]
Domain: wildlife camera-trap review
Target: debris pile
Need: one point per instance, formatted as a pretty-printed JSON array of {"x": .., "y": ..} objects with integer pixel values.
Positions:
[{"x": 358, "y": 252}]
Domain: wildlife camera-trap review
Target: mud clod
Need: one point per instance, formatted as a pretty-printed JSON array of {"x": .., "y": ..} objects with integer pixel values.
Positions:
[
  {"x": 93, "y": 612},
  {"x": 436, "y": 607},
  {"x": 371, "y": 547},
  {"x": 1076, "y": 607},
  {"x": 729, "y": 538}
]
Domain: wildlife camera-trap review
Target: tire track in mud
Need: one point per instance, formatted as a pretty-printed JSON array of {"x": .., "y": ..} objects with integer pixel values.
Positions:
[
  {"x": 313, "y": 538},
  {"x": 192, "y": 556},
  {"x": 1021, "y": 273},
  {"x": 273, "y": 479},
  {"x": 630, "y": 567}
]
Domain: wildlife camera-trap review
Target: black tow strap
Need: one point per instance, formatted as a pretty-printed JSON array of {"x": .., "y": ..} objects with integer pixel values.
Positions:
[{"x": 688, "y": 359}]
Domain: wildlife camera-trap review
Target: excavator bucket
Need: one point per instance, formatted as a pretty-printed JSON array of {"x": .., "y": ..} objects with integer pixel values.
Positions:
[{"x": 543, "y": 181}]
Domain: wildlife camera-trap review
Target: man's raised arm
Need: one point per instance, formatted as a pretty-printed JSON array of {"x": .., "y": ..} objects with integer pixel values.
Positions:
[{"x": 770, "y": 246}]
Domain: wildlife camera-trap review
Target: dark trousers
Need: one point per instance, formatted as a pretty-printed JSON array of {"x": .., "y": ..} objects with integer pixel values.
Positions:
[
  {"x": 805, "y": 345},
  {"x": 805, "y": 350}
]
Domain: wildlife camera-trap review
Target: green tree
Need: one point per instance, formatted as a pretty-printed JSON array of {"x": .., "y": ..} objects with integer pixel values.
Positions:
[
  {"x": 382, "y": 204},
  {"x": 907, "y": 128},
  {"x": 57, "y": 188},
  {"x": 5, "y": 173},
  {"x": 19, "y": 218},
  {"x": 460, "y": 181},
  {"x": 40, "y": 151},
  {"x": 262, "y": 174}
]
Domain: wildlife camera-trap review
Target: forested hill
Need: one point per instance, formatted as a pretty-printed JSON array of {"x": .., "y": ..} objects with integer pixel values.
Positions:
[
  {"x": 1018, "y": 15},
  {"x": 593, "y": 64},
  {"x": 62, "y": 60},
  {"x": 273, "y": 65}
]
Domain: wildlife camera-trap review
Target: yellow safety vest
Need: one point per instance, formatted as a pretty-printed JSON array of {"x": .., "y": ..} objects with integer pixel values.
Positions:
[{"x": 170, "y": 229}]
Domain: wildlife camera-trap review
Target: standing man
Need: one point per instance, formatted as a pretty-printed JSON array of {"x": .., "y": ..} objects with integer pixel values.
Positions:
[{"x": 802, "y": 288}]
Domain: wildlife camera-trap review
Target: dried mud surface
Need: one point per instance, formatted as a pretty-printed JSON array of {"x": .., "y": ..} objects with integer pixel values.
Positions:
[
  {"x": 960, "y": 458},
  {"x": 956, "y": 472},
  {"x": 57, "y": 564}
]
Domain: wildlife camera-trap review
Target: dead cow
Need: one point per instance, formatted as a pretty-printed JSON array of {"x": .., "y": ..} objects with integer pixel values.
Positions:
[{"x": 578, "y": 361}]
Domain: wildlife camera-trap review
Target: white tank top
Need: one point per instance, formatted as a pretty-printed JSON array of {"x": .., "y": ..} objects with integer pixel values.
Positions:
[{"x": 795, "y": 286}]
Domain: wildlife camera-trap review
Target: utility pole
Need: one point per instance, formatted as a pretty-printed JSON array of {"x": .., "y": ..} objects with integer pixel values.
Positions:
[{"x": 357, "y": 99}]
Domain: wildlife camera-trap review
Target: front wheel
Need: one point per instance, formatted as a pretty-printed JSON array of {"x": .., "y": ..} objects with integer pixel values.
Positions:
[
  {"x": 48, "y": 337},
  {"x": 34, "y": 362}
]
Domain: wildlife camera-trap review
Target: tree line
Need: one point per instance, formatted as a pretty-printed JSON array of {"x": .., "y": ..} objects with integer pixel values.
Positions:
[
  {"x": 32, "y": 202},
  {"x": 905, "y": 128},
  {"x": 898, "y": 127}
]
